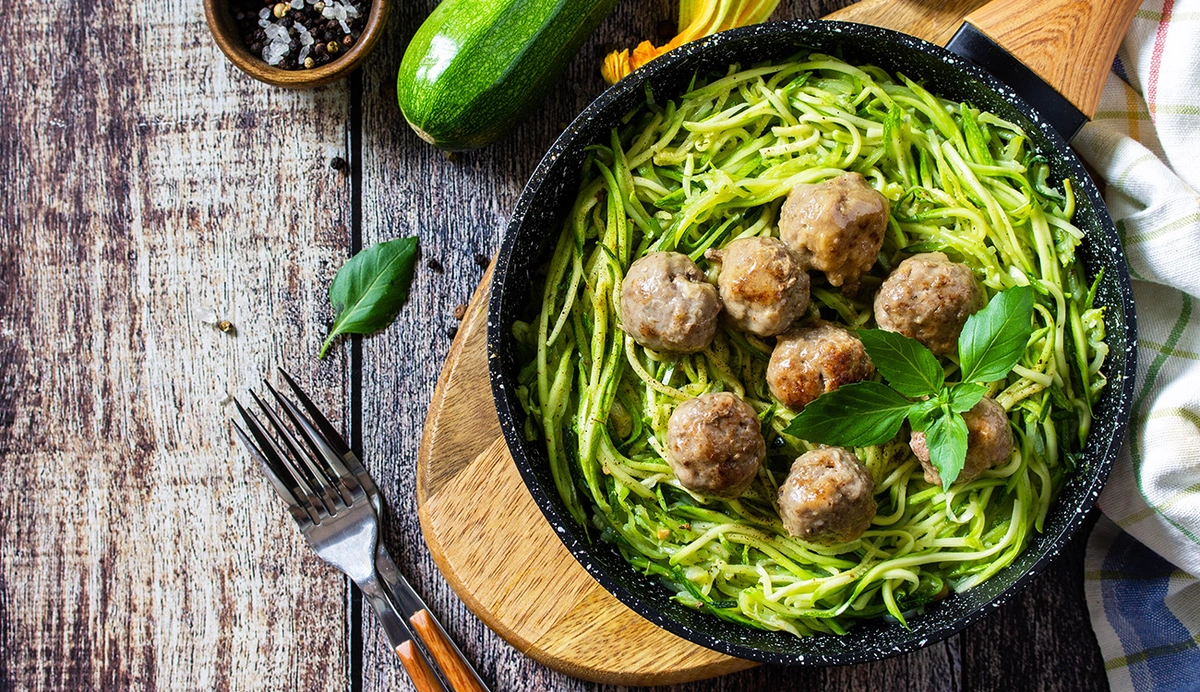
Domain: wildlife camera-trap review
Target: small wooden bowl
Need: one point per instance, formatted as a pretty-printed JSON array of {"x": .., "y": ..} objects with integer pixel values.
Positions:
[{"x": 225, "y": 31}]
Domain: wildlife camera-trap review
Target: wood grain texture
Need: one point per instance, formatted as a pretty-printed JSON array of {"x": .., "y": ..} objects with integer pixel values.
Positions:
[
  {"x": 933, "y": 20},
  {"x": 1068, "y": 43},
  {"x": 457, "y": 670},
  {"x": 419, "y": 673},
  {"x": 145, "y": 177},
  {"x": 145, "y": 183},
  {"x": 512, "y": 571}
]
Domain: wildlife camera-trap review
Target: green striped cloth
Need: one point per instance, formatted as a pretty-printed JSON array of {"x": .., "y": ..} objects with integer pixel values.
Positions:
[{"x": 1143, "y": 557}]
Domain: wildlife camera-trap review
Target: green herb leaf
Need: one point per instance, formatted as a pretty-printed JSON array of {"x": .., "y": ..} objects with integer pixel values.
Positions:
[
  {"x": 921, "y": 413},
  {"x": 993, "y": 339},
  {"x": 856, "y": 415},
  {"x": 908, "y": 366},
  {"x": 946, "y": 439},
  {"x": 963, "y": 397},
  {"x": 370, "y": 288}
]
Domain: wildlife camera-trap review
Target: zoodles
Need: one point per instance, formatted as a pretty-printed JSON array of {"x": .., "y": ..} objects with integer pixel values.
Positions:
[{"x": 714, "y": 166}]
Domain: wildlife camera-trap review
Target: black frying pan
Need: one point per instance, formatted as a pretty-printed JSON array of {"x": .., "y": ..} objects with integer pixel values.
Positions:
[{"x": 538, "y": 220}]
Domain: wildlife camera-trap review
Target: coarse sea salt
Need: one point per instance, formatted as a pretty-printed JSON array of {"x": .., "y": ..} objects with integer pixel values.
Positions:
[
  {"x": 306, "y": 41},
  {"x": 274, "y": 51},
  {"x": 279, "y": 40},
  {"x": 340, "y": 12}
]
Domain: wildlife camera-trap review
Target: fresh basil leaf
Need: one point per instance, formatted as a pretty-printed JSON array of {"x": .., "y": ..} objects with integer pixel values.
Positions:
[
  {"x": 921, "y": 412},
  {"x": 993, "y": 339},
  {"x": 908, "y": 366},
  {"x": 370, "y": 288},
  {"x": 964, "y": 396},
  {"x": 856, "y": 415},
  {"x": 946, "y": 439}
]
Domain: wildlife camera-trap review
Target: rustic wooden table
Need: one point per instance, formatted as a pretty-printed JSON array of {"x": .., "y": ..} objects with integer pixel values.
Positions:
[{"x": 147, "y": 184}]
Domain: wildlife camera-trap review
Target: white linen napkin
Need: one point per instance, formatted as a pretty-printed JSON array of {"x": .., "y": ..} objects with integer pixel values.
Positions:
[{"x": 1145, "y": 143}]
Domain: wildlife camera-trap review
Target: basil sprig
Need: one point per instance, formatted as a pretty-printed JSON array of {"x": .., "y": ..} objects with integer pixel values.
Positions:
[
  {"x": 370, "y": 288},
  {"x": 869, "y": 413}
]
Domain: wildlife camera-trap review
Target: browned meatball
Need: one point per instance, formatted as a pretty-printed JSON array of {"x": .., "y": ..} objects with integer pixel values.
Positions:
[
  {"x": 715, "y": 444},
  {"x": 762, "y": 287},
  {"x": 836, "y": 226},
  {"x": 828, "y": 497},
  {"x": 929, "y": 298},
  {"x": 813, "y": 359},
  {"x": 666, "y": 305},
  {"x": 989, "y": 442}
]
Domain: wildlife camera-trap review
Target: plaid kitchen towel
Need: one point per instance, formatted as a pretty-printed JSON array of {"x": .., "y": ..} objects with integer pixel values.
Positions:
[{"x": 1143, "y": 558}]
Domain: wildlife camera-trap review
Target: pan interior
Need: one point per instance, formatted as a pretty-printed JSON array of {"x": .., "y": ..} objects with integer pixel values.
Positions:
[{"x": 538, "y": 220}]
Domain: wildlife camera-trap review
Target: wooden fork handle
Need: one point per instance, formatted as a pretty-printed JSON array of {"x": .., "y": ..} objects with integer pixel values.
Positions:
[
  {"x": 458, "y": 672},
  {"x": 420, "y": 674}
]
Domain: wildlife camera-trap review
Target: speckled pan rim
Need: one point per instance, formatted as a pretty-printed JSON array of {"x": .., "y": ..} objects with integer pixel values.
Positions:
[{"x": 804, "y": 653}]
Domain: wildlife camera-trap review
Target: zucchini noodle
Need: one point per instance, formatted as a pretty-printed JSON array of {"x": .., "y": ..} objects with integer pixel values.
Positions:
[{"x": 714, "y": 166}]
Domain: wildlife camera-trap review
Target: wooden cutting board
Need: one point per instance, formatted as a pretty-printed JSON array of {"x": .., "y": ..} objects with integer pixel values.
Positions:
[{"x": 490, "y": 539}]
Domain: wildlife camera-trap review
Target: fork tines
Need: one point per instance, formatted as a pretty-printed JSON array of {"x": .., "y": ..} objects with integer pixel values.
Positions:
[{"x": 311, "y": 476}]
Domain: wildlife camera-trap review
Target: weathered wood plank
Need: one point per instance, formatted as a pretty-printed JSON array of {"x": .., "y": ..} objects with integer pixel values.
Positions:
[{"x": 145, "y": 179}]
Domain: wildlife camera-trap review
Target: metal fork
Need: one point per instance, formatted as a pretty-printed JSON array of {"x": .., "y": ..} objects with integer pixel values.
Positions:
[
  {"x": 338, "y": 508},
  {"x": 461, "y": 676}
]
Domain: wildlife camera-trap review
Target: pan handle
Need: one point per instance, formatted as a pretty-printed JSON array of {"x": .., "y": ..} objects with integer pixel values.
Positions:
[{"x": 1069, "y": 44}]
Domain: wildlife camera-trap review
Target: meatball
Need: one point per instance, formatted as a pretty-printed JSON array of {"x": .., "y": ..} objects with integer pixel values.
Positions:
[
  {"x": 762, "y": 286},
  {"x": 715, "y": 444},
  {"x": 828, "y": 497},
  {"x": 989, "y": 442},
  {"x": 815, "y": 358},
  {"x": 929, "y": 298},
  {"x": 836, "y": 226},
  {"x": 667, "y": 306}
]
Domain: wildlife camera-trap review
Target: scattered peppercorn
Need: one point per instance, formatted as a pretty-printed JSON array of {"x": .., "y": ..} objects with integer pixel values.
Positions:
[
  {"x": 460, "y": 311},
  {"x": 482, "y": 261},
  {"x": 452, "y": 331},
  {"x": 339, "y": 164},
  {"x": 434, "y": 265}
]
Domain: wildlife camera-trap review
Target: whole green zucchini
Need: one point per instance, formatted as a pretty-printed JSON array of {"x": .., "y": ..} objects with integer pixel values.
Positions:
[{"x": 476, "y": 68}]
